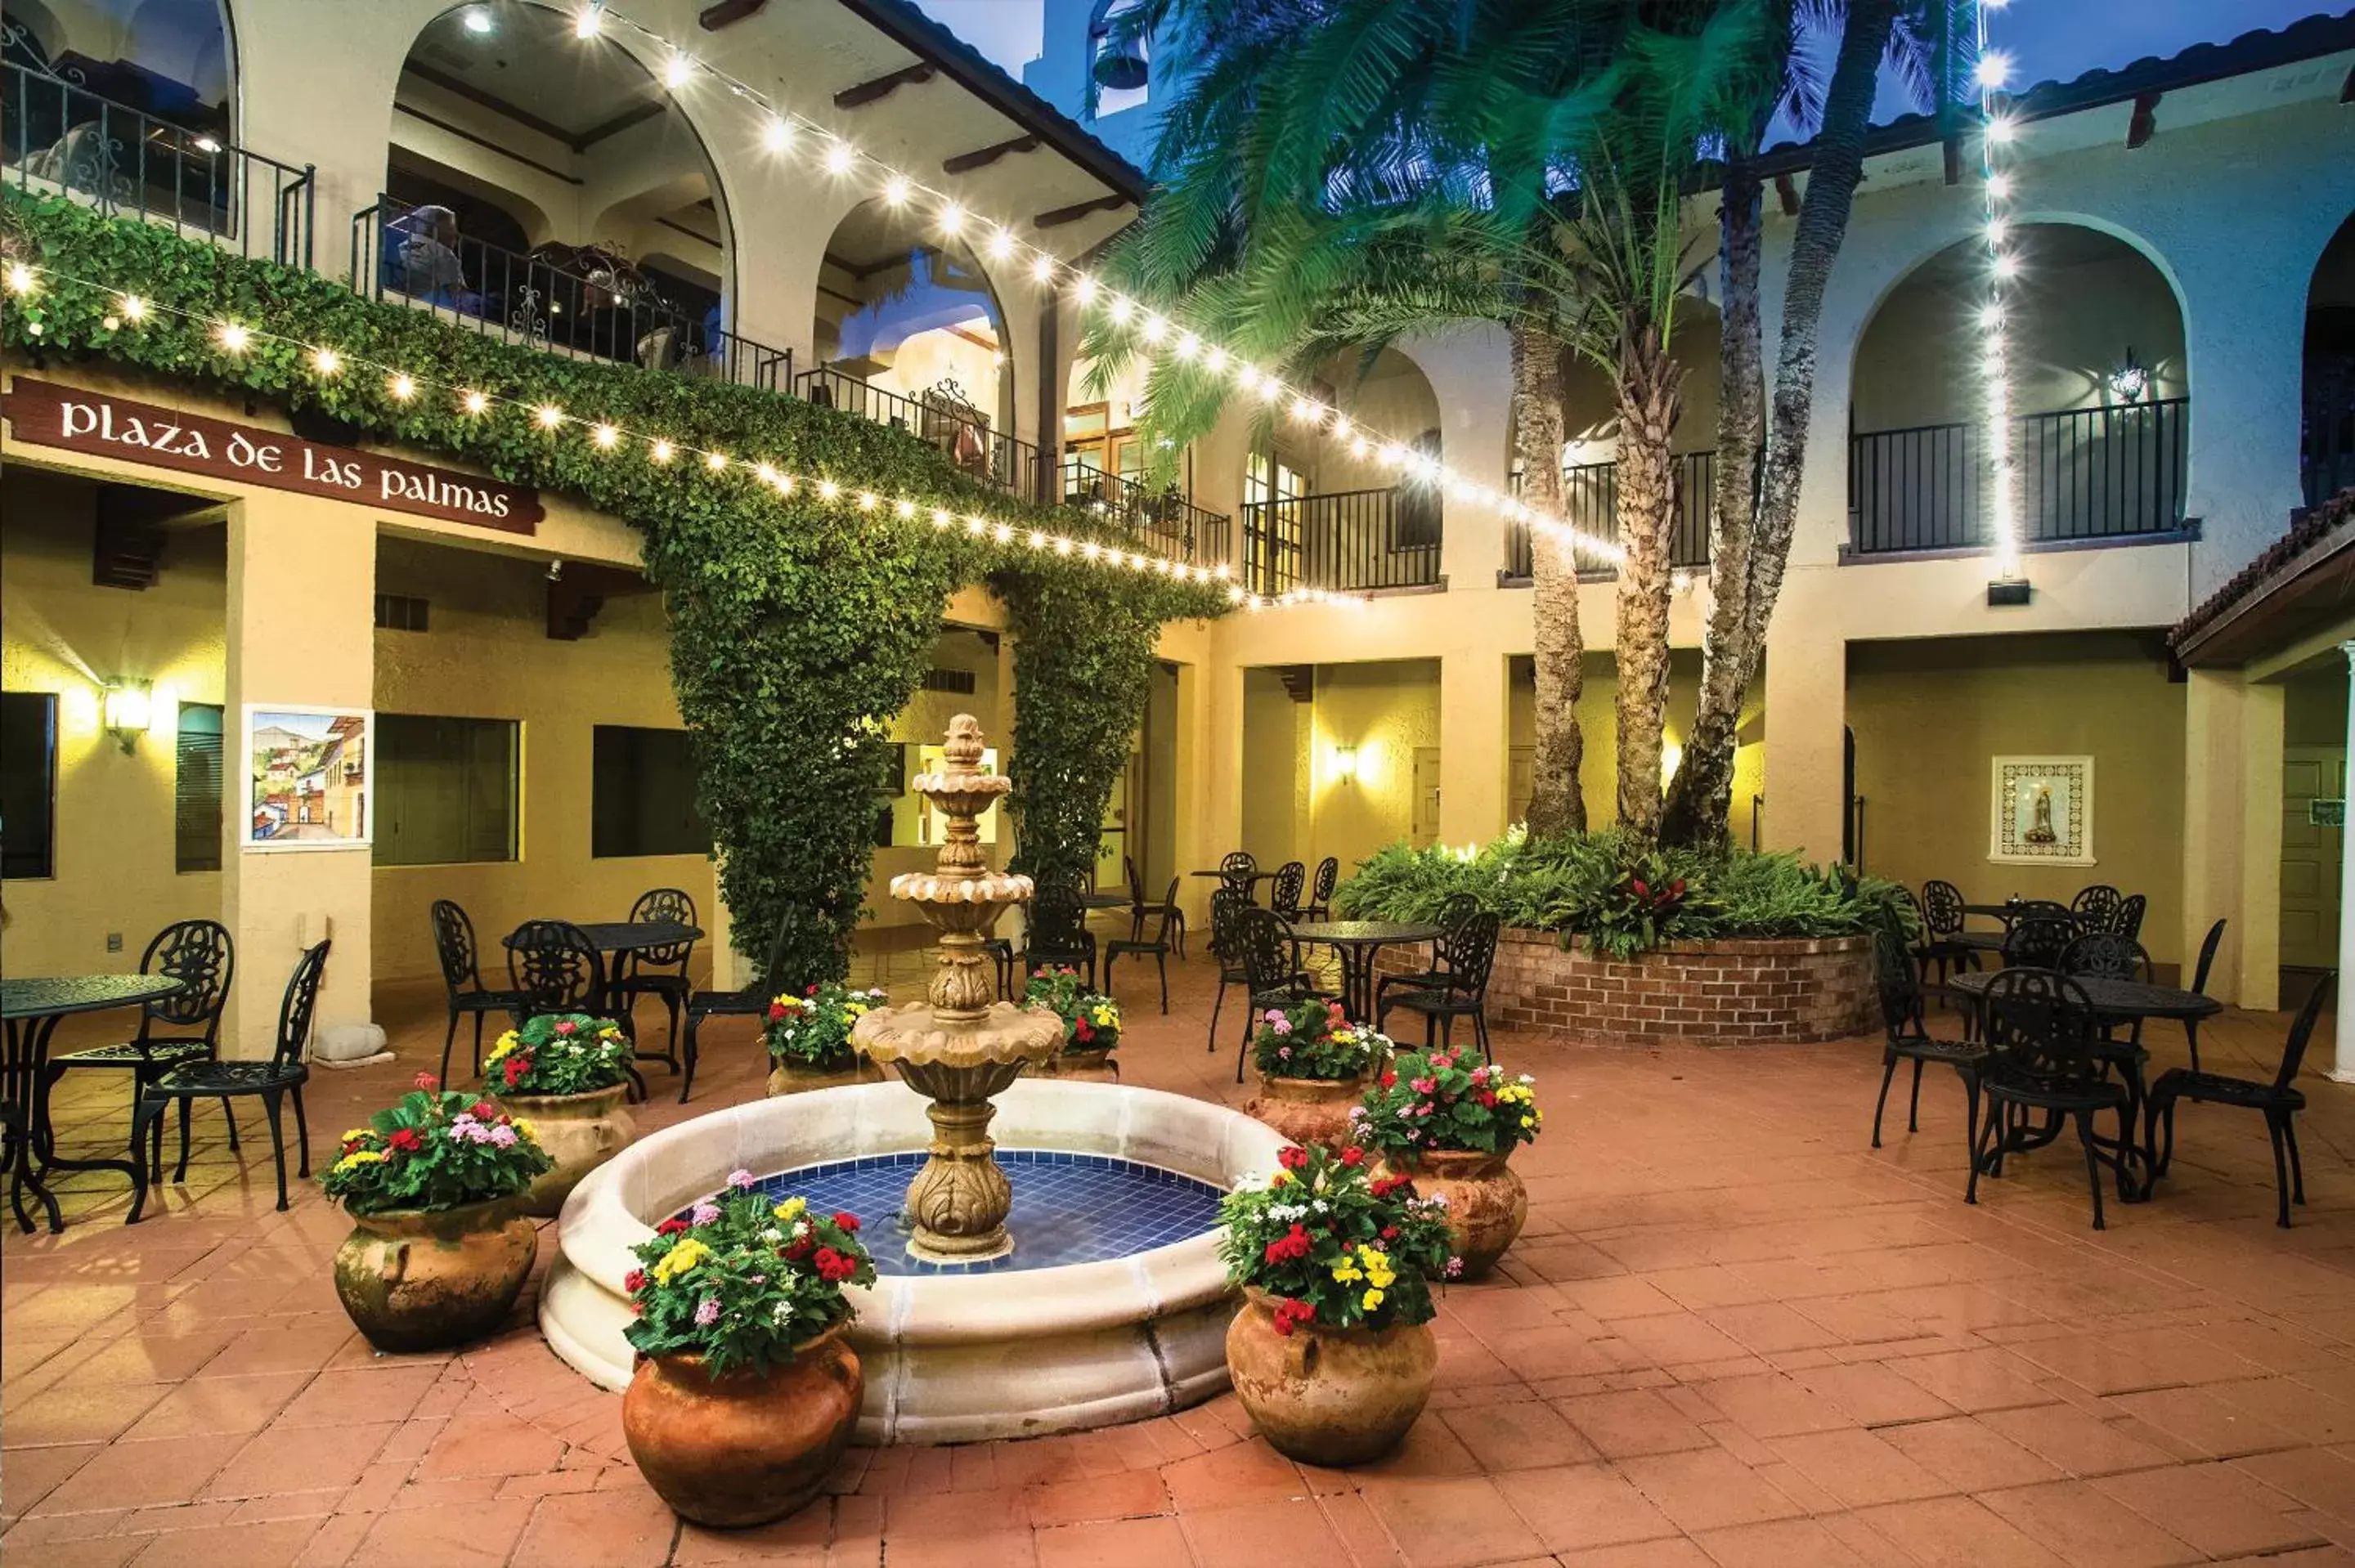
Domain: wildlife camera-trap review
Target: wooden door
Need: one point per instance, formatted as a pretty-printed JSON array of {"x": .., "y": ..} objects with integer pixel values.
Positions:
[
  {"x": 1426, "y": 796},
  {"x": 2309, "y": 857}
]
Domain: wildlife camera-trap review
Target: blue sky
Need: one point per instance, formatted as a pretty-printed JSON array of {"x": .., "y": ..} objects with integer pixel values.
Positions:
[{"x": 2050, "y": 38}]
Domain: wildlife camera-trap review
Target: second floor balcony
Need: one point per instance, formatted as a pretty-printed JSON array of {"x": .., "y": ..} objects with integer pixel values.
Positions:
[
  {"x": 1590, "y": 502},
  {"x": 1163, "y": 522},
  {"x": 1352, "y": 541}
]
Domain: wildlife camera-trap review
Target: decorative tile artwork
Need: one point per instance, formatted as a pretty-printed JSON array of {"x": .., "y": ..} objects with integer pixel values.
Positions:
[{"x": 2042, "y": 811}]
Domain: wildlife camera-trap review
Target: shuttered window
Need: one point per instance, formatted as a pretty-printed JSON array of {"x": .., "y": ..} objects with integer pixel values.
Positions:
[
  {"x": 29, "y": 783},
  {"x": 446, "y": 788},
  {"x": 196, "y": 789}
]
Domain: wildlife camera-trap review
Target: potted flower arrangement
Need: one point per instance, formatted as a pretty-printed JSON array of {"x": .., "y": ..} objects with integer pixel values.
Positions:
[
  {"x": 1091, "y": 1026},
  {"x": 566, "y": 1072},
  {"x": 440, "y": 1247},
  {"x": 1448, "y": 1122},
  {"x": 1332, "y": 1353},
  {"x": 1313, "y": 1063},
  {"x": 809, "y": 1039},
  {"x": 747, "y": 1389}
]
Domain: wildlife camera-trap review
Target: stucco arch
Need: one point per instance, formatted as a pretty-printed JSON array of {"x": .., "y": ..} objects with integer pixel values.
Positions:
[{"x": 900, "y": 308}]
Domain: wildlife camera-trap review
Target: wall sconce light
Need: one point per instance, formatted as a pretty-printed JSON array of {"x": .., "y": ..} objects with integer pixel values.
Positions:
[
  {"x": 1345, "y": 763},
  {"x": 1672, "y": 756},
  {"x": 126, "y": 710},
  {"x": 2129, "y": 381}
]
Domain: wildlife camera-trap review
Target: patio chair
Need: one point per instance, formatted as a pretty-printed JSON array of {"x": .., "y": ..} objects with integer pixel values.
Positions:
[
  {"x": 173, "y": 1030},
  {"x": 276, "y": 1080},
  {"x": 658, "y": 971},
  {"x": 2280, "y": 1101},
  {"x": 1454, "y": 911},
  {"x": 555, "y": 968},
  {"x": 1942, "y": 925},
  {"x": 1139, "y": 911},
  {"x": 1137, "y": 945},
  {"x": 2038, "y": 942},
  {"x": 1237, "y": 868},
  {"x": 1463, "y": 991},
  {"x": 2096, "y": 907},
  {"x": 1909, "y": 1040},
  {"x": 1059, "y": 936},
  {"x": 1227, "y": 905},
  {"x": 1320, "y": 890},
  {"x": 2127, "y": 921},
  {"x": 2042, "y": 1056},
  {"x": 750, "y": 1000},
  {"x": 2208, "y": 946},
  {"x": 1271, "y": 971},
  {"x": 1283, "y": 893},
  {"x": 462, "y": 980}
]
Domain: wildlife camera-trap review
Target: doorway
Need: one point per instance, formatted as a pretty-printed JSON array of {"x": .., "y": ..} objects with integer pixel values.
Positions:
[
  {"x": 1425, "y": 828},
  {"x": 2310, "y": 855}
]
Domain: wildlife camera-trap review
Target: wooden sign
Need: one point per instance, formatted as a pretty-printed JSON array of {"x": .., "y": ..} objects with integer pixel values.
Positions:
[
  {"x": 2325, "y": 813},
  {"x": 49, "y": 414}
]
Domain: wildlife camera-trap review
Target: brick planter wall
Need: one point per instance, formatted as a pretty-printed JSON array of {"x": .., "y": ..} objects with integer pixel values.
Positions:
[{"x": 1764, "y": 991}]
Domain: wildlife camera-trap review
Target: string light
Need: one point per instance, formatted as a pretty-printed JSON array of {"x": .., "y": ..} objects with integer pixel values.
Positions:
[
  {"x": 587, "y": 20},
  {"x": 326, "y": 361},
  {"x": 134, "y": 308},
  {"x": 400, "y": 388},
  {"x": 1998, "y": 131},
  {"x": 660, "y": 451},
  {"x": 234, "y": 338},
  {"x": 474, "y": 403},
  {"x": 549, "y": 415},
  {"x": 20, "y": 278},
  {"x": 679, "y": 72}
]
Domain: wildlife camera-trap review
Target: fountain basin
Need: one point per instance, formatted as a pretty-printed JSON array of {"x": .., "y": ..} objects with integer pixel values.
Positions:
[{"x": 950, "y": 1357}]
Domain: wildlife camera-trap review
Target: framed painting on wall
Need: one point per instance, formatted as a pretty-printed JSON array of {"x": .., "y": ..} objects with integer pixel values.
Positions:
[
  {"x": 307, "y": 778},
  {"x": 2042, "y": 811}
]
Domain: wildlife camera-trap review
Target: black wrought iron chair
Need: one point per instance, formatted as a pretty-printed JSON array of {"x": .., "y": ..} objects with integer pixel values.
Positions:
[
  {"x": 555, "y": 968},
  {"x": 750, "y": 1000},
  {"x": 1283, "y": 893},
  {"x": 1321, "y": 882},
  {"x": 1455, "y": 910},
  {"x": 1059, "y": 937},
  {"x": 2042, "y": 1056},
  {"x": 462, "y": 980},
  {"x": 1463, "y": 991},
  {"x": 1271, "y": 970},
  {"x": 1237, "y": 868},
  {"x": 2208, "y": 946},
  {"x": 1942, "y": 927},
  {"x": 2038, "y": 942},
  {"x": 2095, "y": 908},
  {"x": 1227, "y": 905},
  {"x": 1137, "y": 945},
  {"x": 1139, "y": 911},
  {"x": 1908, "y": 1039},
  {"x": 2127, "y": 921},
  {"x": 2279, "y": 1101},
  {"x": 278, "y": 1079},
  {"x": 661, "y": 971},
  {"x": 173, "y": 1030}
]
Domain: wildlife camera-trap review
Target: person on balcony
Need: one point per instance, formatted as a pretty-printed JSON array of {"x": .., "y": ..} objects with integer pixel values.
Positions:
[{"x": 421, "y": 260}]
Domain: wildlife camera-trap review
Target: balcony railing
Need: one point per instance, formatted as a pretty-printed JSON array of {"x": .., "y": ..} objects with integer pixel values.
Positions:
[
  {"x": 1165, "y": 523},
  {"x": 2083, "y": 473},
  {"x": 525, "y": 298},
  {"x": 1349, "y": 542},
  {"x": 1590, "y": 500},
  {"x": 944, "y": 418},
  {"x": 57, "y": 137}
]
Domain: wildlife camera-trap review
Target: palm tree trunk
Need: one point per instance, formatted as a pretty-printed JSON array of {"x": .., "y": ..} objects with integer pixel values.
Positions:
[
  {"x": 1832, "y": 180},
  {"x": 1557, "y": 804},
  {"x": 1649, "y": 382}
]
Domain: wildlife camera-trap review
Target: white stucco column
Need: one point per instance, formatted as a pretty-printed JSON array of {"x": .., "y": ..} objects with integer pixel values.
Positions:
[{"x": 2343, "y": 1068}]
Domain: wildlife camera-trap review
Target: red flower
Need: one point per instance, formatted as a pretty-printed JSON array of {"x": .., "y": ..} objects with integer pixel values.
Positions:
[
  {"x": 1390, "y": 1233},
  {"x": 566, "y": 1026},
  {"x": 406, "y": 1139},
  {"x": 833, "y": 1266},
  {"x": 776, "y": 1011},
  {"x": 1642, "y": 891},
  {"x": 800, "y": 1249},
  {"x": 1081, "y": 1028},
  {"x": 845, "y": 1220},
  {"x": 1487, "y": 1098},
  {"x": 428, "y": 1081},
  {"x": 483, "y": 1110},
  {"x": 1383, "y": 1186},
  {"x": 1290, "y": 1314},
  {"x": 810, "y": 991},
  {"x": 515, "y": 1068},
  {"x": 1291, "y": 1156},
  {"x": 670, "y": 1227},
  {"x": 635, "y": 1281},
  {"x": 1353, "y": 1156},
  {"x": 1390, "y": 1080},
  {"x": 1286, "y": 1247}
]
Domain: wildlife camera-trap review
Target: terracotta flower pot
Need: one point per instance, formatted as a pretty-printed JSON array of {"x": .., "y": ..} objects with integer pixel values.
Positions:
[
  {"x": 748, "y": 1448},
  {"x": 1486, "y": 1201},
  {"x": 1329, "y": 1396},
  {"x": 1087, "y": 1066},
  {"x": 579, "y": 1132},
  {"x": 420, "y": 1280},
  {"x": 1307, "y": 1110},
  {"x": 792, "y": 1076}
]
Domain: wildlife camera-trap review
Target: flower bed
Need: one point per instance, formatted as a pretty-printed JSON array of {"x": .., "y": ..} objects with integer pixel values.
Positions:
[{"x": 1722, "y": 991}]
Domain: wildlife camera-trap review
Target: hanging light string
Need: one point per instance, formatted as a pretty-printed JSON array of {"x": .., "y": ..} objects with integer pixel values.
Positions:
[
  {"x": 1156, "y": 337},
  {"x": 1999, "y": 131},
  {"x": 237, "y": 339}
]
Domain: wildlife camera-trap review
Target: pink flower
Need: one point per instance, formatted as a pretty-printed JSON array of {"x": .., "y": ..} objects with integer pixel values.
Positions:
[
  {"x": 427, "y": 1081},
  {"x": 741, "y": 1180},
  {"x": 1282, "y": 1025},
  {"x": 703, "y": 1214},
  {"x": 566, "y": 1026},
  {"x": 707, "y": 1312}
]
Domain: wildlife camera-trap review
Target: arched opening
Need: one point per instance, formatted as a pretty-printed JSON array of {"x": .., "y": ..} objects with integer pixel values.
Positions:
[
  {"x": 2099, "y": 395},
  {"x": 1120, "y": 57},
  {"x": 1352, "y": 504},
  {"x": 2327, "y": 432},
  {"x": 909, "y": 333},
  {"x": 170, "y": 60},
  {"x": 547, "y": 187}
]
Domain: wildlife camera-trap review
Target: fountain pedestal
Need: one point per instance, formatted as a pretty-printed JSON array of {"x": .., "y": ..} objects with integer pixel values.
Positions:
[{"x": 958, "y": 1048}]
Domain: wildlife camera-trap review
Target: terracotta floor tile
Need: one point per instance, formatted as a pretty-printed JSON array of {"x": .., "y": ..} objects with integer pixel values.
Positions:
[
  {"x": 1673, "y": 1337},
  {"x": 469, "y": 1535},
  {"x": 1450, "y": 1522},
  {"x": 1778, "y": 1543},
  {"x": 2087, "y": 1528},
  {"x": 1973, "y": 1380},
  {"x": 2220, "y": 1510},
  {"x": 273, "y": 1350},
  {"x": 1768, "y": 1326},
  {"x": 2123, "y": 1362},
  {"x": 949, "y": 1514},
  {"x": 1955, "y": 1532},
  {"x": 618, "y": 1528},
  {"x": 1630, "y": 1422},
  {"x": 1289, "y": 1533},
  {"x": 1872, "y": 1393},
  {"x": 1011, "y": 1548},
  {"x": 1129, "y": 1494},
  {"x": 2077, "y": 1441},
  {"x": 1859, "y": 1468},
  {"x": 1673, "y": 1552},
  {"x": 1115, "y": 1543},
  {"x": 492, "y": 1445},
  {"x": 1772, "y": 1405},
  {"x": 1522, "y": 1436},
  {"x": 2319, "y": 1478},
  {"x": 270, "y": 1545},
  {"x": 1707, "y": 1489},
  {"x": 138, "y": 1475},
  {"x": 282, "y": 1459},
  {"x": 1241, "y": 1472},
  {"x": 334, "y": 1398},
  {"x": 28, "y": 1475},
  {"x": 219, "y": 1404},
  {"x": 1584, "y": 1506},
  {"x": 68, "y": 1412},
  {"x": 2204, "y": 1423},
  {"x": 1967, "y": 1454}
]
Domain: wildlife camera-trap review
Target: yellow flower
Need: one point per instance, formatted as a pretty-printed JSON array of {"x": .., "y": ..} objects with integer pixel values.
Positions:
[
  {"x": 356, "y": 1133},
  {"x": 1529, "y": 1121},
  {"x": 1348, "y": 1273},
  {"x": 506, "y": 1043},
  {"x": 679, "y": 1259},
  {"x": 359, "y": 1156},
  {"x": 791, "y": 1209},
  {"x": 523, "y": 1128},
  {"x": 1372, "y": 1300},
  {"x": 1279, "y": 1178}
]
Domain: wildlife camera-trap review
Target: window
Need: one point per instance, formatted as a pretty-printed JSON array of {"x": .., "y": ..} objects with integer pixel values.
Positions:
[
  {"x": 641, "y": 794},
  {"x": 196, "y": 789},
  {"x": 445, "y": 789},
  {"x": 29, "y": 783},
  {"x": 401, "y": 612}
]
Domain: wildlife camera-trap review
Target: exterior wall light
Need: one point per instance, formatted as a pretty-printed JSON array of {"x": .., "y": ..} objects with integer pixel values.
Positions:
[
  {"x": 2129, "y": 381},
  {"x": 1345, "y": 763},
  {"x": 126, "y": 709}
]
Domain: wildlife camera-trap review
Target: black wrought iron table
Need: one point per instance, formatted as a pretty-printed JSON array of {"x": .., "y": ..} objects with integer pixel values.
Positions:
[
  {"x": 32, "y": 1009},
  {"x": 1357, "y": 942}
]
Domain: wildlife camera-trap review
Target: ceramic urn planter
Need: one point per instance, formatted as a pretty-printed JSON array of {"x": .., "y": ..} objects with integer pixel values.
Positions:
[
  {"x": 1486, "y": 1201},
  {"x": 792, "y": 1076},
  {"x": 1307, "y": 1110},
  {"x": 418, "y": 1280},
  {"x": 1329, "y": 1396},
  {"x": 1086, "y": 1066},
  {"x": 579, "y": 1132},
  {"x": 748, "y": 1448}
]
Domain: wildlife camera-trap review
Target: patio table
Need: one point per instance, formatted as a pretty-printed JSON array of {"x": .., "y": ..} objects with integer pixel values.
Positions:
[
  {"x": 27, "y": 1142},
  {"x": 1357, "y": 942}
]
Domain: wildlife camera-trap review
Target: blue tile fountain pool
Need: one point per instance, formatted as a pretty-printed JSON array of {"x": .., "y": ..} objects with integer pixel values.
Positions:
[{"x": 1068, "y": 1208}]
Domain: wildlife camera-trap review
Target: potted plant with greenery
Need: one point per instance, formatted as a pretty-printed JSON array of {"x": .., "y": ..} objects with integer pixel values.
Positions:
[
  {"x": 809, "y": 1039},
  {"x": 1312, "y": 1065},
  {"x": 747, "y": 1389},
  {"x": 1091, "y": 1026},
  {"x": 567, "y": 1072},
  {"x": 440, "y": 1246},
  {"x": 1333, "y": 1353},
  {"x": 1448, "y": 1122}
]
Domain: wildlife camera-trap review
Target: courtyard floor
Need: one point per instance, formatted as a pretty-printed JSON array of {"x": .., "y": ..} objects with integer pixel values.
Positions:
[{"x": 1730, "y": 1334}]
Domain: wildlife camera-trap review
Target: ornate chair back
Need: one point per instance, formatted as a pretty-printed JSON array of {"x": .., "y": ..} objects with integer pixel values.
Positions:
[
  {"x": 1284, "y": 896},
  {"x": 2038, "y": 942},
  {"x": 663, "y": 905},
  {"x": 556, "y": 967},
  {"x": 2039, "y": 1025},
  {"x": 2301, "y": 1030},
  {"x": 2096, "y": 907},
  {"x": 2127, "y": 921},
  {"x": 1268, "y": 954},
  {"x": 197, "y": 953},
  {"x": 454, "y": 944},
  {"x": 2208, "y": 946},
  {"x": 2106, "y": 954},
  {"x": 1321, "y": 886},
  {"x": 1942, "y": 908},
  {"x": 295, "y": 1011},
  {"x": 1237, "y": 867}
]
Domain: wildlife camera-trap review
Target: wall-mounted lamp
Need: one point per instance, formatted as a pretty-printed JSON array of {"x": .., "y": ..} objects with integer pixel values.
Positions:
[
  {"x": 2129, "y": 381},
  {"x": 126, "y": 710},
  {"x": 1345, "y": 763}
]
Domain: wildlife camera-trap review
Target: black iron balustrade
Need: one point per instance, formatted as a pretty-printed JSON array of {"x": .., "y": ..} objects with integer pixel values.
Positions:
[
  {"x": 1351, "y": 541},
  {"x": 602, "y": 308},
  {"x": 1163, "y": 522},
  {"x": 1590, "y": 502},
  {"x": 57, "y": 136},
  {"x": 2082, "y": 473},
  {"x": 943, "y": 416}
]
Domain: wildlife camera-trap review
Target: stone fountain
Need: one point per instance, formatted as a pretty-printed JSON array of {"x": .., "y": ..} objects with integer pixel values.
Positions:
[{"x": 958, "y": 1047}]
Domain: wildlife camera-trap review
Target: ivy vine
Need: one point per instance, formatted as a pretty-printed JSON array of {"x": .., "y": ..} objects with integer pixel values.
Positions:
[{"x": 798, "y": 628}]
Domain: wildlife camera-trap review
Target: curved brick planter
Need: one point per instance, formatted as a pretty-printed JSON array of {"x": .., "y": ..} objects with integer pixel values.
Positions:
[{"x": 1726, "y": 992}]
